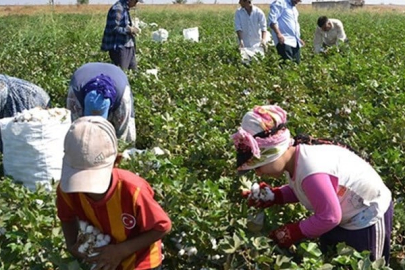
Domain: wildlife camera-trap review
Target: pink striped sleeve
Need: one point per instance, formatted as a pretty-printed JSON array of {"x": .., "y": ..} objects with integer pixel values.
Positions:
[{"x": 321, "y": 189}]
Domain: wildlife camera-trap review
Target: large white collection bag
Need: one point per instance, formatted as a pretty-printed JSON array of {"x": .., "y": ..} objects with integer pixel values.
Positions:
[
  {"x": 33, "y": 146},
  {"x": 248, "y": 54},
  {"x": 161, "y": 35},
  {"x": 191, "y": 34}
]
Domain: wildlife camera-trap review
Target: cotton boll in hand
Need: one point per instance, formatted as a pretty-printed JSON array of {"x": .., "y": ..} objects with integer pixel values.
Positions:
[
  {"x": 266, "y": 194},
  {"x": 255, "y": 191},
  {"x": 90, "y": 238}
]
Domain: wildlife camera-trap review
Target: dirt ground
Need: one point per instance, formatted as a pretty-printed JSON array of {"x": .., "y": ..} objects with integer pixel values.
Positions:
[{"x": 28, "y": 10}]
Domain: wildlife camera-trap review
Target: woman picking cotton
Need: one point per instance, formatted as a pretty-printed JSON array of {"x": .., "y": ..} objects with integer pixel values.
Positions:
[{"x": 349, "y": 201}]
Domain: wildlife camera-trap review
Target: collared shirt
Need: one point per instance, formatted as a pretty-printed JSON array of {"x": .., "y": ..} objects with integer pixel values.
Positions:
[
  {"x": 122, "y": 114},
  {"x": 285, "y": 15},
  {"x": 127, "y": 210},
  {"x": 115, "y": 32},
  {"x": 331, "y": 37},
  {"x": 251, "y": 25},
  {"x": 17, "y": 95}
]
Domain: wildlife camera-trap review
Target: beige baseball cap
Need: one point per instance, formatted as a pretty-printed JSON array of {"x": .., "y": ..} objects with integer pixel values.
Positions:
[{"x": 90, "y": 152}]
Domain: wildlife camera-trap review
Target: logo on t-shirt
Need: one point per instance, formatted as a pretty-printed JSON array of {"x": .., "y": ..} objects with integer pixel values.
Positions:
[{"x": 128, "y": 220}]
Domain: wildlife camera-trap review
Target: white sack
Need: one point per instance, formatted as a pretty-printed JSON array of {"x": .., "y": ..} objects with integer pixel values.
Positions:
[
  {"x": 160, "y": 35},
  {"x": 33, "y": 150},
  {"x": 191, "y": 34},
  {"x": 251, "y": 53}
]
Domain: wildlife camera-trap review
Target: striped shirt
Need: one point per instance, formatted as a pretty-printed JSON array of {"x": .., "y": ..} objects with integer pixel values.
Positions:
[
  {"x": 116, "y": 34},
  {"x": 127, "y": 210},
  {"x": 17, "y": 95}
]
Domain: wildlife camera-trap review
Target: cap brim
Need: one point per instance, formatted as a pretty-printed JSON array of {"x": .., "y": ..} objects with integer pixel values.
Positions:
[{"x": 95, "y": 180}]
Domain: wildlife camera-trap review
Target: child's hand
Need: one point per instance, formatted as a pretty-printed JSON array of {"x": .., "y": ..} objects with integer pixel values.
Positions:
[
  {"x": 74, "y": 250},
  {"x": 106, "y": 258}
]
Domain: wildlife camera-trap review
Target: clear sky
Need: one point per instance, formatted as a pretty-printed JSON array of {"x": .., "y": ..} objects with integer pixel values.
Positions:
[{"x": 68, "y": 2}]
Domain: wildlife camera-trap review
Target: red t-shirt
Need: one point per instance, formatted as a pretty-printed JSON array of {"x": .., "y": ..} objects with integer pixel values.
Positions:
[{"x": 127, "y": 210}]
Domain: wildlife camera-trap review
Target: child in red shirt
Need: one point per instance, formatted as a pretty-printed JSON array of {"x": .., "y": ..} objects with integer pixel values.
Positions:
[{"x": 116, "y": 202}]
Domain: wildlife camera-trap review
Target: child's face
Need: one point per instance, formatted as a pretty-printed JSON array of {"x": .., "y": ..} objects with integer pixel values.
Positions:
[
  {"x": 95, "y": 197},
  {"x": 98, "y": 197}
]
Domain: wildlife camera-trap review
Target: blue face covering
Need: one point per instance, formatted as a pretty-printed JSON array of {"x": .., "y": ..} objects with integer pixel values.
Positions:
[
  {"x": 104, "y": 85},
  {"x": 96, "y": 104}
]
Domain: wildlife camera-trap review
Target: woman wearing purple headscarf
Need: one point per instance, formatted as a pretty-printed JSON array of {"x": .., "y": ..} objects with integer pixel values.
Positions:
[
  {"x": 349, "y": 200},
  {"x": 103, "y": 89}
]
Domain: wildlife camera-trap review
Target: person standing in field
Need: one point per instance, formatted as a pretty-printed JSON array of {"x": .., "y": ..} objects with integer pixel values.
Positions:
[
  {"x": 119, "y": 35},
  {"x": 117, "y": 202},
  {"x": 17, "y": 95},
  {"x": 329, "y": 32},
  {"x": 349, "y": 199},
  {"x": 285, "y": 29},
  {"x": 250, "y": 25},
  {"x": 103, "y": 89}
]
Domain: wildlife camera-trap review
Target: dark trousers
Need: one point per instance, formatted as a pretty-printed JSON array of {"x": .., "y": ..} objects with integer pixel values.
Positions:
[
  {"x": 289, "y": 53},
  {"x": 124, "y": 57},
  {"x": 363, "y": 239}
]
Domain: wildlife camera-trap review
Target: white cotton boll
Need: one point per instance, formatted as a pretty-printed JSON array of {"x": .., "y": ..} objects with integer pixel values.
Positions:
[
  {"x": 39, "y": 202},
  {"x": 82, "y": 225},
  {"x": 216, "y": 257},
  {"x": 82, "y": 249},
  {"x": 89, "y": 229},
  {"x": 192, "y": 251},
  {"x": 107, "y": 238},
  {"x": 100, "y": 243},
  {"x": 27, "y": 116},
  {"x": 103, "y": 243},
  {"x": 181, "y": 252},
  {"x": 99, "y": 237},
  {"x": 96, "y": 231},
  {"x": 255, "y": 188},
  {"x": 255, "y": 191},
  {"x": 266, "y": 194},
  {"x": 214, "y": 243},
  {"x": 157, "y": 151}
]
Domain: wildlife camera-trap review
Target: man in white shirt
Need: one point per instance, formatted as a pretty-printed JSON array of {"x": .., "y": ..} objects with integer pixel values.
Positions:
[
  {"x": 250, "y": 25},
  {"x": 329, "y": 32}
]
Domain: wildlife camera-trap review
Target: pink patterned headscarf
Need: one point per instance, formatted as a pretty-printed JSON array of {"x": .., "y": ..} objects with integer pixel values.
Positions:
[{"x": 270, "y": 121}]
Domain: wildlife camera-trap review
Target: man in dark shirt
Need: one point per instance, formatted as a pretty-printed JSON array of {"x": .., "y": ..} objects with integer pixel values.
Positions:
[{"x": 119, "y": 34}]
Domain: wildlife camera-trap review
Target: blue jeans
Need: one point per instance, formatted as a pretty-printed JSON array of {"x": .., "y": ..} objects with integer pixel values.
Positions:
[{"x": 289, "y": 53}]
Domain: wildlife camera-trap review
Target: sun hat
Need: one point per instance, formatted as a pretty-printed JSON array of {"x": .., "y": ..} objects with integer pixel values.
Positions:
[
  {"x": 262, "y": 137},
  {"x": 90, "y": 151}
]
